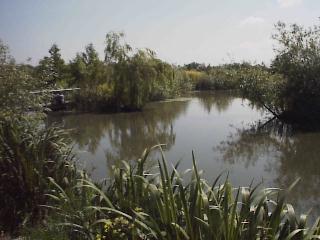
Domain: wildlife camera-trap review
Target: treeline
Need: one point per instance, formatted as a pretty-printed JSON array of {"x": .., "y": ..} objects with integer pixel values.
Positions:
[
  {"x": 125, "y": 80},
  {"x": 222, "y": 77},
  {"x": 289, "y": 88}
]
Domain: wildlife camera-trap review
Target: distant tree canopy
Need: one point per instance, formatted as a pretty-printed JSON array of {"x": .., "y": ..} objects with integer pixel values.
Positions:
[
  {"x": 127, "y": 78},
  {"x": 51, "y": 69},
  {"x": 196, "y": 66}
]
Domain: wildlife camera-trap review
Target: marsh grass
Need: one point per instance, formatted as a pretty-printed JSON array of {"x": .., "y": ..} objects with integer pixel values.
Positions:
[
  {"x": 29, "y": 155},
  {"x": 140, "y": 203}
]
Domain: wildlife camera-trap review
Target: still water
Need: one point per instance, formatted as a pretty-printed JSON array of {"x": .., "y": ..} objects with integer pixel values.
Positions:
[{"x": 227, "y": 134}]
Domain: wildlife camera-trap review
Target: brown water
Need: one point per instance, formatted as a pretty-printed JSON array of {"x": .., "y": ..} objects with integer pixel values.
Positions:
[{"x": 226, "y": 133}]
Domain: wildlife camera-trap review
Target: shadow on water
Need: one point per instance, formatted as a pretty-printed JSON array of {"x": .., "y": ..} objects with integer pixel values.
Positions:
[{"x": 295, "y": 151}]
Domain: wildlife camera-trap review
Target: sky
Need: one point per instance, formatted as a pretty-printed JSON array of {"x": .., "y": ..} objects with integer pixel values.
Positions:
[{"x": 179, "y": 31}]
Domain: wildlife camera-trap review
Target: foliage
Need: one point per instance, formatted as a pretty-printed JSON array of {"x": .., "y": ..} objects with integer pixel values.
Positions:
[
  {"x": 142, "y": 203},
  {"x": 298, "y": 59},
  {"x": 29, "y": 155},
  {"x": 224, "y": 77},
  {"x": 16, "y": 84},
  {"x": 201, "y": 67},
  {"x": 52, "y": 69},
  {"x": 126, "y": 80},
  {"x": 264, "y": 88},
  {"x": 94, "y": 80},
  {"x": 139, "y": 77},
  {"x": 290, "y": 89}
]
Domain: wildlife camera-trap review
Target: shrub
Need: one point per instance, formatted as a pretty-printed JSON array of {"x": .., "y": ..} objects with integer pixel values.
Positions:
[{"x": 298, "y": 60}]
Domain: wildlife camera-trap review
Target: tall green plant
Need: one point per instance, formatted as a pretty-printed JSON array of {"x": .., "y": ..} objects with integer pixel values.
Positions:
[
  {"x": 29, "y": 155},
  {"x": 161, "y": 203}
]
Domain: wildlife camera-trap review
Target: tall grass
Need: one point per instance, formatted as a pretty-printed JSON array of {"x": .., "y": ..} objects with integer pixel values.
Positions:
[
  {"x": 42, "y": 193},
  {"x": 29, "y": 155},
  {"x": 162, "y": 203}
]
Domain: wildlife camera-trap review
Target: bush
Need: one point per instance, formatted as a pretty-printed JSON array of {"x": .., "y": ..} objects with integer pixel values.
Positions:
[
  {"x": 224, "y": 77},
  {"x": 263, "y": 88},
  {"x": 16, "y": 84},
  {"x": 298, "y": 60}
]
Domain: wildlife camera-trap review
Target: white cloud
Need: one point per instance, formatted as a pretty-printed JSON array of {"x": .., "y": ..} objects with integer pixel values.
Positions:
[
  {"x": 252, "y": 20},
  {"x": 289, "y": 3}
]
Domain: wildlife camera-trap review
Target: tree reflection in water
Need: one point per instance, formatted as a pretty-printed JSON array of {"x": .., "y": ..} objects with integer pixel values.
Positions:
[
  {"x": 280, "y": 153},
  {"x": 295, "y": 151},
  {"x": 219, "y": 101},
  {"x": 124, "y": 135}
]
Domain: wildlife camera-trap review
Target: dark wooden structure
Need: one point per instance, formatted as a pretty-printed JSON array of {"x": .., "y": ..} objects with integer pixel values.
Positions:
[{"x": 60, "y": 98}]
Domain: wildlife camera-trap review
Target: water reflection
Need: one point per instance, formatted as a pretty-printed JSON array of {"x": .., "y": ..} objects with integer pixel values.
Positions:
[
  {"x": 123, "y": 136},
  {"x": 220, "y": 101},
  {"x": 294, "y": 153},
  {"x": 223, "y": 129}
]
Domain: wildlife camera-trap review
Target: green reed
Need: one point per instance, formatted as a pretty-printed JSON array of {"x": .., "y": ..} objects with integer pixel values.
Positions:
[
  {"x": 29, "y": 154},
  {"x": 160, "y": 203}
]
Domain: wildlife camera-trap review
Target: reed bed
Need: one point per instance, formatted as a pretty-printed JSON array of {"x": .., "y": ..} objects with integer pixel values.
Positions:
[
  {"x": 29, "y": 155},
  {"x": 162, "y": 203}
]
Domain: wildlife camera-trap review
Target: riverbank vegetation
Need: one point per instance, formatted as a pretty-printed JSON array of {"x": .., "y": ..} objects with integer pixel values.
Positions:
[
  {"x": 124, "y": 81},
  {"x": 44, "y": 196},
  {"x": 128, "y": 78},
  {"x": 16, "y": 83},
  {"x": 290, "y": 89},
  {"x": 58, "y": 201}
]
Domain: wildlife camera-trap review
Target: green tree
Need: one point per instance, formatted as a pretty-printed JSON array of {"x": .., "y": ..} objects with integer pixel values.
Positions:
[
  {"x": 139, "y": 76},
  {"x": 87, "y": 69},
  {"x": 93, "y": 76},
  {"x": 116, "y": 50},
  {"x": 290, "y": 89},
  {"x": 298, "y": 60},
  {"x": 52, "y": 69},
  {"x": 16, "y": 85},
  {"x": 126, "y": 79}
]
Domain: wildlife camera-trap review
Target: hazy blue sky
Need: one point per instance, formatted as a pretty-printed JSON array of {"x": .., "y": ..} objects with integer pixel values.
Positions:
[{"x": 180, "y": 31}]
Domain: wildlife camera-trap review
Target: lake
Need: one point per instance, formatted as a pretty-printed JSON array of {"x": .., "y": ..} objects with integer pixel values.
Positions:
[{"x": 227, "y": 133}]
